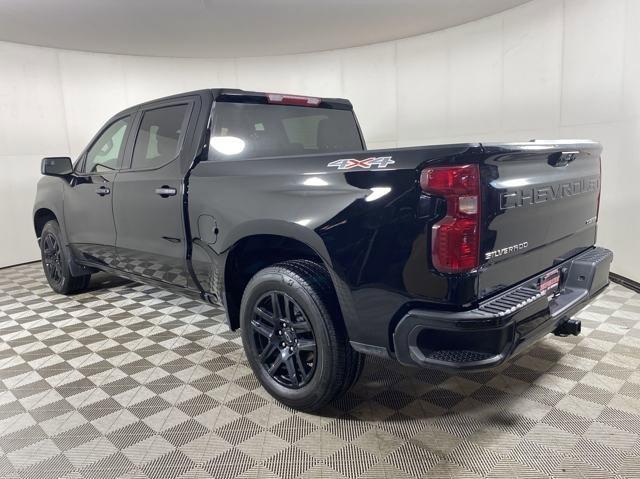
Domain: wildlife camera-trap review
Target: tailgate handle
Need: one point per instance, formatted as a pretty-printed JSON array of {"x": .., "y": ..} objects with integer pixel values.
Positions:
[{"x": 562, "y": 158}]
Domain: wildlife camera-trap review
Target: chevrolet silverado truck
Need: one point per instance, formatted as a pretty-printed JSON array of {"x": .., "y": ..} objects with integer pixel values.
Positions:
[{"x": 322, "y": 252}]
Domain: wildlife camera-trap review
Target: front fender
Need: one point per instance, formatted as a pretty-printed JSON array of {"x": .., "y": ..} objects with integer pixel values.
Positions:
[{"x": 49, "y": 197}]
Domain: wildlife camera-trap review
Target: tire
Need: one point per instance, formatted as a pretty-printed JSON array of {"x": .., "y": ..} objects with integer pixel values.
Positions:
[
  {"x": 353, "y": 373},
  {"x": 55, "y": 262},
  {"x": 299, "y": 351}
]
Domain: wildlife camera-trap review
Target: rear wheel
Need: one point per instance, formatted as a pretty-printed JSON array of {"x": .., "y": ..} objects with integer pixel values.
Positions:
[
  {"x": 293, "y": 335},
  {"x": 55, "y": 262}
]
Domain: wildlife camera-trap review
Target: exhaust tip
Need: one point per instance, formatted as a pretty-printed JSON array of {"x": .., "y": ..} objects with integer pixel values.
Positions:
[{"x": 569, "y": 327}]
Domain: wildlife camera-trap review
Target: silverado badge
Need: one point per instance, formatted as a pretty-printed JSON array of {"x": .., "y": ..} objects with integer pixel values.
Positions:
[
  {"x": 367, "y": 163},
  {"x": 507, "y": 250}
]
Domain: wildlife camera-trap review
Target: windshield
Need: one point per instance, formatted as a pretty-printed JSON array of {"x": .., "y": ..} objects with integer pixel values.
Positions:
[{"x": 248, "y": 130}]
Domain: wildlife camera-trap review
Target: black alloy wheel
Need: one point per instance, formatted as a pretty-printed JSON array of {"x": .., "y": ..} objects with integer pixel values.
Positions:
[
  {"x": 52, "y": 258},
  {"x": 284, "y": 340},
  {"x": 55, "y": 262},
  {"x": 294, "y": 335}
]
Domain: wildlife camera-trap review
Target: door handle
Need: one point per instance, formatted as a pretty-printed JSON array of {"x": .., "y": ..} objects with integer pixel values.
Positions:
[
  {"x": 165, "y": 191},
  {"x": 103, "y": 190}
]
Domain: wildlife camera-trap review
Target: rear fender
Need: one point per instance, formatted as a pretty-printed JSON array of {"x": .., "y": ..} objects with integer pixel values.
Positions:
[{"x": 308, "y": 237}]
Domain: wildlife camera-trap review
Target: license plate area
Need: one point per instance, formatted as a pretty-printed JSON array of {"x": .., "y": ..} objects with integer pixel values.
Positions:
[{"x": 550, "y": 282}]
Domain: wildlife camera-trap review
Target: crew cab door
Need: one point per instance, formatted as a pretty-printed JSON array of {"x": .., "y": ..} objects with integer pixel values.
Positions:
[
  {"x": 148, "y": 208},
  {"x": 88, "y": 208}
]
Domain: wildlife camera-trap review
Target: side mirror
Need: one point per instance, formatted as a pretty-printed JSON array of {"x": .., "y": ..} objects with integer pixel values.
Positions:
[{"x": 56, "y": 166}]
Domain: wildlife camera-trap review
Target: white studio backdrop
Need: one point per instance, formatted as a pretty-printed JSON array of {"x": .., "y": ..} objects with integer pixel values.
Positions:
[{"x": 547, "y": 69}]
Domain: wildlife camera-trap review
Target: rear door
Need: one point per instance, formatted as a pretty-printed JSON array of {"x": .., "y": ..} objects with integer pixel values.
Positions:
[
  {"x": 147, "y": 207},
  {"x": 540, "y": 206},
  {"x": 88, "y": 208}
]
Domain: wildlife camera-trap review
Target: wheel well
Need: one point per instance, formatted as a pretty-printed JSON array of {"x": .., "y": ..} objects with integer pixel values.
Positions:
[
  {"x": 252, "y": 254},
  {"x": 42, "y": 216}
]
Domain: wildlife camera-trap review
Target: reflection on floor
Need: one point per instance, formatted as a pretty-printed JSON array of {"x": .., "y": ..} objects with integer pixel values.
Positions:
[{"x": 131, "y": 381}]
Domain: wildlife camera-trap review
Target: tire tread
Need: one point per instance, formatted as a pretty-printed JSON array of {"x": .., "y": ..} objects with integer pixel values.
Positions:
[{"x": 354, "y": 361}]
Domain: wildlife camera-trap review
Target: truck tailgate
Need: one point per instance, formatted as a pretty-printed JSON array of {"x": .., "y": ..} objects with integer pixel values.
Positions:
[{"x": 540, "y": 207}]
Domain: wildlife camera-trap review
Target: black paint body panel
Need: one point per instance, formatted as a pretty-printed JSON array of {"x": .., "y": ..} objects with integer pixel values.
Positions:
[{"x": 376, "y": 247}]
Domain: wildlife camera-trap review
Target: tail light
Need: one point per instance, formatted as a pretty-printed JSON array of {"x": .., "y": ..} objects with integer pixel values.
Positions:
[
  {"x": 297, "y": 100},
  {"x": 455, "y": 239}
]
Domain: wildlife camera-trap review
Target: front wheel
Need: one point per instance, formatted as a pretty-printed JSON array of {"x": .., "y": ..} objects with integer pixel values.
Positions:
[
  {"x": 293, "y": 335},
  {"x": 55, "y": 263}
]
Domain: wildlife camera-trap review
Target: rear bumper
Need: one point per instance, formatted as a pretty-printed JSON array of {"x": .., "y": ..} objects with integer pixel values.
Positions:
[{"x": 504, "y": 325}]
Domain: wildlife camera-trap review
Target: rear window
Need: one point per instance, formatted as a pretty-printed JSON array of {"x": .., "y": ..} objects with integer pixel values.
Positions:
[{"x": 247, "y": 130}]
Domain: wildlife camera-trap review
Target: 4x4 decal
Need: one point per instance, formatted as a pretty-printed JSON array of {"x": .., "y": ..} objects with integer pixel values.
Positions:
[{"x": 367, "y": 163}]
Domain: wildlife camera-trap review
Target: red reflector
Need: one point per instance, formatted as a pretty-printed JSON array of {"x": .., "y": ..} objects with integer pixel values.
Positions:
[
  {"x": 292, "y": 99},
  {"x": 455, "y": 239}
]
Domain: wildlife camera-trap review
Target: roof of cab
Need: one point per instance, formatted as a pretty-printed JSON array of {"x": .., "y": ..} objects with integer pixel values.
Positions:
[{"x": 235, "y": 94}]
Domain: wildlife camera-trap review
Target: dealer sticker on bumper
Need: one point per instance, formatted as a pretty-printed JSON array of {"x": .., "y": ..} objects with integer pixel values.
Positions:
[{"x": 550, "y": 281}]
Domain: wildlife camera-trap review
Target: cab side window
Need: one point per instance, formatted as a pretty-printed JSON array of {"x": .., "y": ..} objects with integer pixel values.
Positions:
[
  {"x": 160, "y": 136},
  {"x": 106, "y": 153}
]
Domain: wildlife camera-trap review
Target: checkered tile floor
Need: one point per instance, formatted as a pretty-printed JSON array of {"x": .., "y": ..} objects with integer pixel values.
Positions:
[{"x": 134, "y": 382}]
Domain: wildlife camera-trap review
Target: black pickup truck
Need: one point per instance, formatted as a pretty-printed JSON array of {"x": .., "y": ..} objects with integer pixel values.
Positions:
[{"x": 449, "y": 256}]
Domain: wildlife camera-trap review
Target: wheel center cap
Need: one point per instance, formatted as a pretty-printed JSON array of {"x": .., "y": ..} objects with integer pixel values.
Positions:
[{"x": 289, "y": 337}]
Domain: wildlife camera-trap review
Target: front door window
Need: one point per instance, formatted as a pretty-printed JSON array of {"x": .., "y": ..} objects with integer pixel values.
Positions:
[{"x": 106, "y": 153}]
